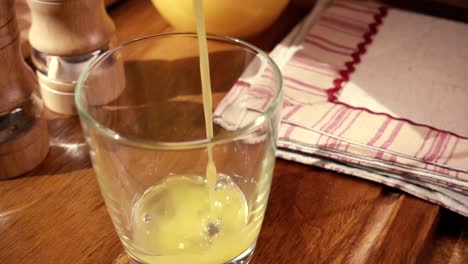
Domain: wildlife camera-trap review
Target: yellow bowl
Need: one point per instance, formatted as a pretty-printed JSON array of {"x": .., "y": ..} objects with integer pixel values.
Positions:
[{"x": 240, "y": 18}]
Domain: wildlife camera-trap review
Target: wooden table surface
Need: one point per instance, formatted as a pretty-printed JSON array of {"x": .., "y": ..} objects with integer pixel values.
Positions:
[{"x": 55, "y": 213}]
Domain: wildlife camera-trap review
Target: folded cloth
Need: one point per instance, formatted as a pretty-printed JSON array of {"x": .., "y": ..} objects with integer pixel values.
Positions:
[{"x": 373, "y": 92}]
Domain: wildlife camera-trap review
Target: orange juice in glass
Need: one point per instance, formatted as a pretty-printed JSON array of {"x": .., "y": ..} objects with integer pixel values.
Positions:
[{"x": 149, "y": 149}]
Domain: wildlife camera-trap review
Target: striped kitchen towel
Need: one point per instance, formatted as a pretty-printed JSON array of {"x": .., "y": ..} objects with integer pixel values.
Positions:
[{"x": 373, "y": 92}]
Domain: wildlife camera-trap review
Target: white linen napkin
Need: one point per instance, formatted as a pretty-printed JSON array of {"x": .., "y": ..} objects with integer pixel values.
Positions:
[{"x": 373, "y": 92}]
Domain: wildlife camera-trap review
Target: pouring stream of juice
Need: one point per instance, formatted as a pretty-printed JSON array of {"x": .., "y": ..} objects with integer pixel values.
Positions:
[
  {"x": 211, "y": 173},
  {"x": 191, "y": 219}
]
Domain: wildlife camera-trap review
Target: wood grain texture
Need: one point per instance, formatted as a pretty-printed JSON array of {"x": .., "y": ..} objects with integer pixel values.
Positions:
[
  {"x": 450, "y": 244},
  {"x": 316, "y": 216},
  {"x": 55, "y": 213}
]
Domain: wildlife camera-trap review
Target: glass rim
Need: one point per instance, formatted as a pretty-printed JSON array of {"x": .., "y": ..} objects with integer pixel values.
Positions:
[{"x": 191, "y": 144}]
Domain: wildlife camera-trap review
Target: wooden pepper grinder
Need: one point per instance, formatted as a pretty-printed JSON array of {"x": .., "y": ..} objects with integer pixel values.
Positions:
[
  {"x": 66, "y": 35},
  {"x": 24, "y": 140}
]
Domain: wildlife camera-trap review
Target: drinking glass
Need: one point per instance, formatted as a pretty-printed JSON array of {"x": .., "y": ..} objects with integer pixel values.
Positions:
[{"x": 149, "y": 148}]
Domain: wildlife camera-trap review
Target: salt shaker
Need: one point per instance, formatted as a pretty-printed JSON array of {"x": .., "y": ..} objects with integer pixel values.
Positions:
[{"x": 66, "y": 36}]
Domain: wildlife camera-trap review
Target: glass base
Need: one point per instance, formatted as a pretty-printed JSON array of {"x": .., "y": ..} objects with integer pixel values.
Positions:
[{"x": 243, "y": 258}]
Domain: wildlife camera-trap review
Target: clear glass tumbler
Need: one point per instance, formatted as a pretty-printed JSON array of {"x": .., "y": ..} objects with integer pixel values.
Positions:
[{"x": 149, "y": 148}]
